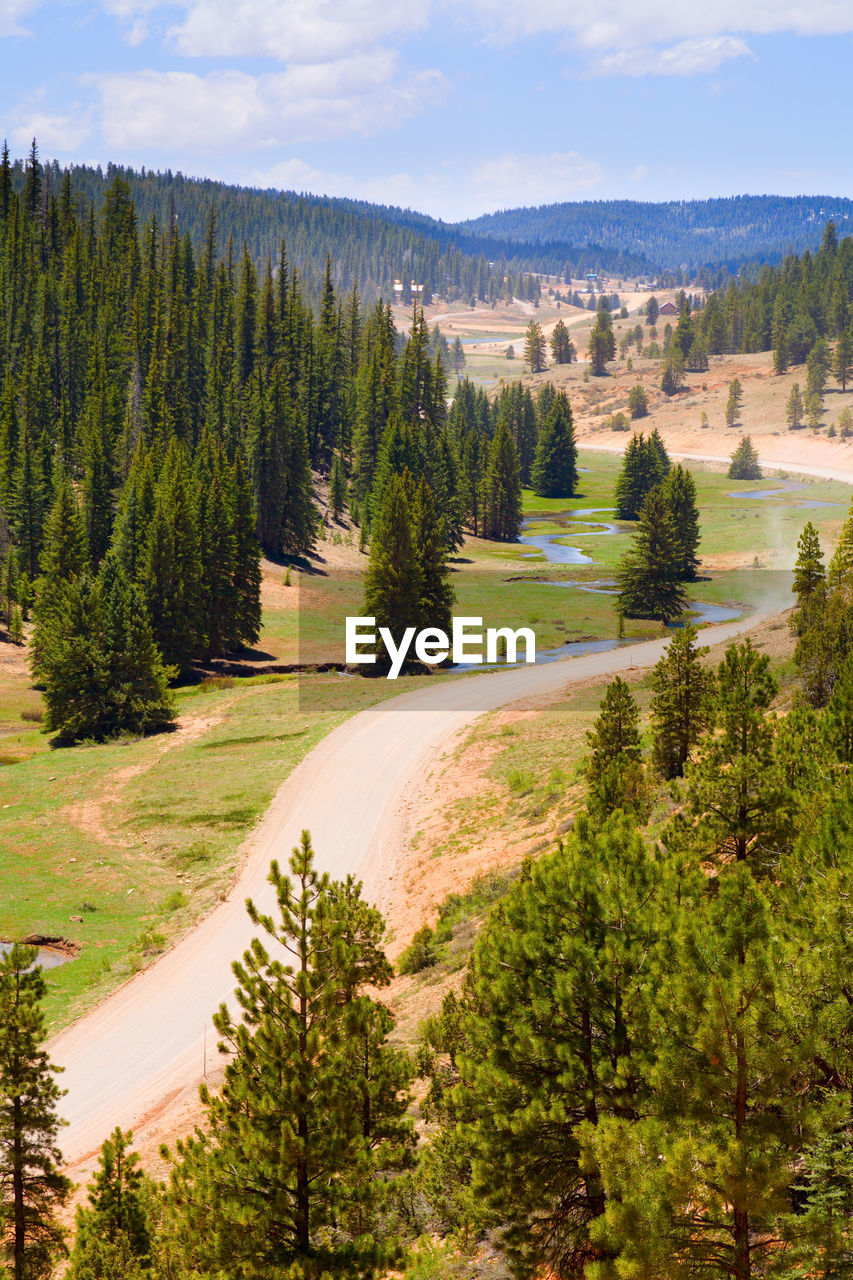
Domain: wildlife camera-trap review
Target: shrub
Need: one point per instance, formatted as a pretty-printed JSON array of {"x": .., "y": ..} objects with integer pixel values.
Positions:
[{"x": 421, "y": 953}]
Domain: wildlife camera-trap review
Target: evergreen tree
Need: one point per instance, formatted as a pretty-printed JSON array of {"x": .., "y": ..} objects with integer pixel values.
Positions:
[
  {"x": 795, "y": 408},
  {"x": 283, "y": 1175},
  {"x": 602, "y": 344},
  {"x": 502, "y": 488},
  {"x": 393, "y": 583},
  {"x": 613, "y": 771},
  {"x": 63, "y": 553},
  {"x": 679, "y": 491},
  {"x": 534, "y": 347},
  {"x": 682, "y": 703},
  {"x": 734, "y": 401},
  {"x": 553, "y": 1040},
  {"x": 709, "y": 1173},
  {"x": 32, "y": 1189},
  {"x": 246, "y": 619},
  {"x": 638, "y": 401},
  {"x": 644, "y": 467},
  {"x": 554, "y": 473},
  {"x": 115, "y": 1216},
  {"x": 562, "y": 347},
  {"x": 337, "y": 488},
  {"x": 436, "y": 592},
  {"x": 170, "y": 569},
  {"x": 672, "y": 377},
  {"x": 98, "y": 661},
  {"x": 650, "y": 574},
  {"x": 744, "y": 461},
  {"x": 733, "y": 787},
  {"x": 843, "y": 362},
  {"x": 809, "y": 573}
]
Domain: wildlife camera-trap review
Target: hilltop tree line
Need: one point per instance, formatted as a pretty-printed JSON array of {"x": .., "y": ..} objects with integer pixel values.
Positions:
[{"x": 372, "y": 246}]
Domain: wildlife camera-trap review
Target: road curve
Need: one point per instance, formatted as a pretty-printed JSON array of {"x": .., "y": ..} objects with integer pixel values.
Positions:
[{"x": 146, "y": 1041}]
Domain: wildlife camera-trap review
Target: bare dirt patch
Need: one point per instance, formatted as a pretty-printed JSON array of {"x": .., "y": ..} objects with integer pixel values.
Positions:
[{"x": 98, "y": 815}]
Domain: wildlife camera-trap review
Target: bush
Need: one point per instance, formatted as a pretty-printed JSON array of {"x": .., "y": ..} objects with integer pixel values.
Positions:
[{"x": 421, "y": 953}]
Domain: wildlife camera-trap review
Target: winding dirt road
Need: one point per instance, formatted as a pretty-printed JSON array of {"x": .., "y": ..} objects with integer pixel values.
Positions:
[{"x": 146, "y": 1042}]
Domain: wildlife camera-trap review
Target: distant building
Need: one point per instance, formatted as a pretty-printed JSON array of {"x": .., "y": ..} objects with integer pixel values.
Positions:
[{"x": 668, "y": 309}]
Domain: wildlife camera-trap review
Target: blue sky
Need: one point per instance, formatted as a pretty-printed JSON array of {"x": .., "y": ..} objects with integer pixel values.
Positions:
[{"x": 452, "y": 108}]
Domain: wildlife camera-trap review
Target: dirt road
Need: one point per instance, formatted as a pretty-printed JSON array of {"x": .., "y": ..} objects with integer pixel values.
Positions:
[{"x": 128, "y": 1057}]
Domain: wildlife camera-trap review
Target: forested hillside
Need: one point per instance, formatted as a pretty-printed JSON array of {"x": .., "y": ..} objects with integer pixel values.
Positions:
[
  {"x": 371, "y": 245},
  {"x": 792, "y": 309},
  {"x": 677, "y": 233},
  {"x": 166, "y": 413}
]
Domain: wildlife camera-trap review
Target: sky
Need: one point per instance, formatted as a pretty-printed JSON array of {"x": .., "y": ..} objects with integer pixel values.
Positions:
[{"x": 450, "y": 108}]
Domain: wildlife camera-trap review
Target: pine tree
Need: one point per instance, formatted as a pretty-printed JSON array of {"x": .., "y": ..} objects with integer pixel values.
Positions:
[
  {"x": 562, "y": 347},
  {"x": 650, "y": 574},
  {"x": 734, "y": 402},
  {"x": 672, "y": 377},
  {"x": 702, "y": 1183},
  {"x": 553, "y": 1040},
  {"x": 502, "y": 488},
  {"x": 436, "y": 592},
  {"x": 744, "y": 461},
  {"x": 733, "y": 787},
  {"x": 98, "y": 661},
  {"x": 795, "y": 408},
  {"x": 638, "y": 401},
  {"x": 644, "y": 467},
  {"x": 843, "y": 362},
  {"x": 809, "y": 573},
  {"x": 63, "y": 553},
  {"x": 32, "y": 1189},
  {"x": 246, "y": 620},
  {"x": 393, "y": 583},
  {"x": 602, "y": 344},
  {"x": 679, "y": 491},
  {"x": 534, "y": 347},
  {"x": 613, "y": 770},
  {"x": 115, "y": 1216},
  {"x": 337, "y": 488},
  {"x": 682, "y": 703},
  {"x": 170, "y": 568},
  {"x": 283, "y": 1174},
  {"x": 554, "y": 473}
]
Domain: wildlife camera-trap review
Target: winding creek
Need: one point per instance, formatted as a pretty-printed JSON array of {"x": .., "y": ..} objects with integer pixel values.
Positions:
[{"x": 556, "y": 552}]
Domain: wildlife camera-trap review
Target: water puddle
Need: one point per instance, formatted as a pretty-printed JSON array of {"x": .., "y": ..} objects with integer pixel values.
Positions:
[{"x": 48, "y": 957}]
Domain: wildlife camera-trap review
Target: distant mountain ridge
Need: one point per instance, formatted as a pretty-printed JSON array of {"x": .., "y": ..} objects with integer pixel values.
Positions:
[
  {"x": 728, "y": 230},
  {"x": 373, "y": 245}
]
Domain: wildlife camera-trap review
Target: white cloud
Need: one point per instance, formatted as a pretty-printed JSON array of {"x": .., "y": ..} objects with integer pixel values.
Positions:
[
  {"x": 363, "y": 94},
  {"x": 602, "y": 24},
  {"x": 56, "y": 132},
  {"x": 294, "y": 30},
  {"x": 11, "y": 12},
  {"x": 452, "y": 192},
  {"x": 528, "y": 179},
  {"x": 661, "y": 37},
  {"x": 686, "y": 58}
]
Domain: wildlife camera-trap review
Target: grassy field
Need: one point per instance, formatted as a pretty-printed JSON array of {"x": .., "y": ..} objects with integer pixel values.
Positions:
[{"x": 139, "y": 838}]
